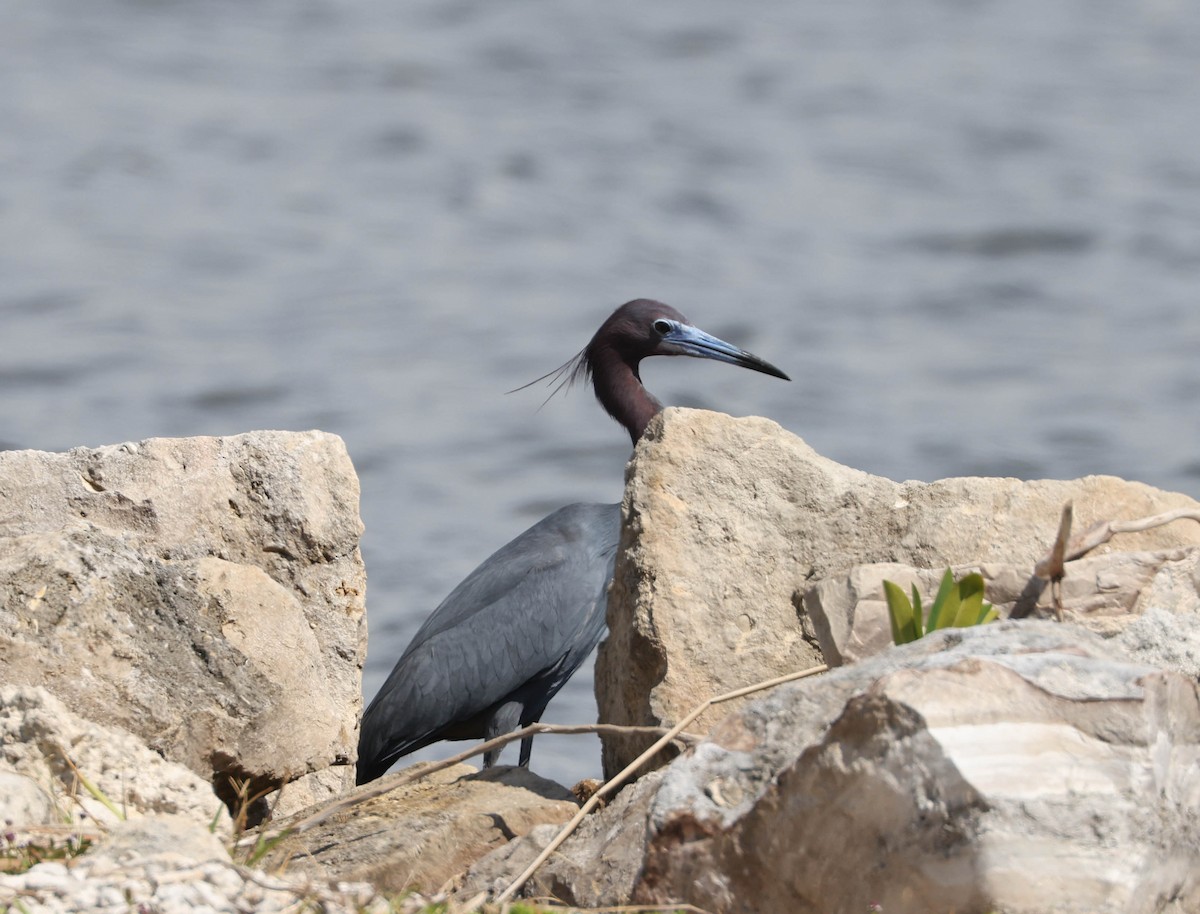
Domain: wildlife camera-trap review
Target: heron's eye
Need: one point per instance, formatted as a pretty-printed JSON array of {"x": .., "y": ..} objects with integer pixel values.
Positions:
[{"x": 662, "y": 326}]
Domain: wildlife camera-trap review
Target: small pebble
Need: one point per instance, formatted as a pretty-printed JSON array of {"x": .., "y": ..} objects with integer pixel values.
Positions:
[{"x": 47, "y": 877}]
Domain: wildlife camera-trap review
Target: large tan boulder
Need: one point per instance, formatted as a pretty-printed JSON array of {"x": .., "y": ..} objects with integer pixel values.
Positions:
[
  {"x": 730, "y": 522},
  {"x": 204, "y": 594}
]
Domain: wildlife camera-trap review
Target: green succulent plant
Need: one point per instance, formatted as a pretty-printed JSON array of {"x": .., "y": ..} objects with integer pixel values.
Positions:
[{"x": 958, "y": 604}]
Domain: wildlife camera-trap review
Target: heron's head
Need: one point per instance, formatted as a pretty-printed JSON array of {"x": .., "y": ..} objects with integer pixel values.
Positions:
[{"x": 643, "y": 327}]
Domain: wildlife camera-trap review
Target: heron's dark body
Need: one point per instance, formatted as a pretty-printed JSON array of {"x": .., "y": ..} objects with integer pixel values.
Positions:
[{"x": 493, "y": 654}]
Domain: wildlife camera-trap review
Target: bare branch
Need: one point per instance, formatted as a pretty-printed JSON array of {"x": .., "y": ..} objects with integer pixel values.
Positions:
[
  {"x": 1103, "y": 532},
  {"x": 1051, "y": 567}
]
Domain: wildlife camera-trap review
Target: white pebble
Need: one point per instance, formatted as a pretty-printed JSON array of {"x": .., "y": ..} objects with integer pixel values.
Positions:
[{"x": 50, "y": 876}]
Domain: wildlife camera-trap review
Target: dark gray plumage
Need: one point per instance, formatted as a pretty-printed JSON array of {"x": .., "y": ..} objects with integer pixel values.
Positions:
[
  {"x": 495, "y": 652},
  {"x": 501, "y": 645}
]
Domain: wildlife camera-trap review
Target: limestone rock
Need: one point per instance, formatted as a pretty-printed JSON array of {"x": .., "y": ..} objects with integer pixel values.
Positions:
[
  {"x": 205, "y": 594},
  {"x": 311, "y": 790},
  {"x": 422, "y": 835},
  {"x": 1023, "y": 767},
  {"x": 729, "y": 523},
  {"x": 1164, "y": 639},
  {"x": 42, "y": 741}
]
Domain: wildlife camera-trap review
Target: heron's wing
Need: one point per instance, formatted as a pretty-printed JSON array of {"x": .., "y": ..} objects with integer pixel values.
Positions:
[
  {"x": 524, "y": 619},
  {"x": 540, "y": 568}
]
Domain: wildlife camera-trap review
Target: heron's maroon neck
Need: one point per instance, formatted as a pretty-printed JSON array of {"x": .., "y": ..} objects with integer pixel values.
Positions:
[{"x": 620, "y": 391}]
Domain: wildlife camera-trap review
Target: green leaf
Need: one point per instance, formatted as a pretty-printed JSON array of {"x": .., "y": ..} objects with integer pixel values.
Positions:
[
  {"x": 945, "y": 604},
  {"x": 970, "y": 594},
  {"x": 917, "y": 613},
  {"x": 958, "y": 604},
  {"x": 900, "y": 613}
]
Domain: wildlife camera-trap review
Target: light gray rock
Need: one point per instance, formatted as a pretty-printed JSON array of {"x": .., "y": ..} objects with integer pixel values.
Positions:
[
  {"x": 205, "y": 594},
  {"x": 1174, "y": 588},
  {"x": 424, "y": 834},
  {"x": 1022, "y": 767},
  {"x": 311, "y": 790},
  {"x": 1166, "y": 640},
  {"x": 42, "y": 741},
  {"x": 730, "y": 522}
]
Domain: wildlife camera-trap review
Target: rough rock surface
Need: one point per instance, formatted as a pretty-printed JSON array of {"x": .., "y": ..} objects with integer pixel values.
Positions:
[
  {"x": 44, "y": 742},
  {"x": 731, "y": 521},
  {"x": 423, "y": 834},
  {"x": 171, "y": 866},
  {"x": 205, "y": 594},
  {"x": 1164, "y": 639},
  {"x": 1025, "y": 766}
]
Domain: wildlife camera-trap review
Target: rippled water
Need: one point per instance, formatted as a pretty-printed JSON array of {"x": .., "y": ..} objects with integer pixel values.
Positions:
[{"x": 969, "y": 230}]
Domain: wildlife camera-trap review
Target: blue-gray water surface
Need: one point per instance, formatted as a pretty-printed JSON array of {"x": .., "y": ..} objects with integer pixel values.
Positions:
[{"x": 969, "y": 230}]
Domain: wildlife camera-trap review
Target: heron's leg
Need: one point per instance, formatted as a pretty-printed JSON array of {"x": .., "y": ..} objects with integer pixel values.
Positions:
[
  {"x": 526, "y": 750},
  {"x": 506, "y": 718},
  {"x": 533, "y": 713}
]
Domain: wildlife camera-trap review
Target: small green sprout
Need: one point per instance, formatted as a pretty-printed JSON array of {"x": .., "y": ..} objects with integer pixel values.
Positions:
[{"x": 958, "y": 604}]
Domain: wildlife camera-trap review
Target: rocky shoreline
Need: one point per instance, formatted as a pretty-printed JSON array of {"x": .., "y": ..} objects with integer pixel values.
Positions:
[{"x": 184, "y": 630}]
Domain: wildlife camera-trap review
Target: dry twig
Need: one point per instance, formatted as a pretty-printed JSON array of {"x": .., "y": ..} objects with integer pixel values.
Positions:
[
  {"x": 379, "y": 790},
  {"x": 1052, "y": 567},
  {"x": 616, "y": 781},
  {"x": 1101, "y": 533}
]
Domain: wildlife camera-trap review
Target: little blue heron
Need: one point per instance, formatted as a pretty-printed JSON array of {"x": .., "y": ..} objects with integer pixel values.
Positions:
[{"x": 501, "y": 645}]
